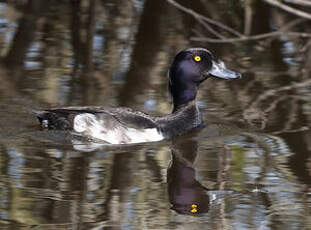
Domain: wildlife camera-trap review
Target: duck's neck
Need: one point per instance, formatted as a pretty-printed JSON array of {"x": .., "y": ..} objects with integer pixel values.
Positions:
[
  {"x": 183, "y": 94},
  {"x": 184, "y": 118},
  {"x": 182, "y": 101}
]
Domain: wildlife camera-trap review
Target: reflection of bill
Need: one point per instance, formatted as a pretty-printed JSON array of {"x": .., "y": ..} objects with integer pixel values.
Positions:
[{"x": 186, "y": 194}]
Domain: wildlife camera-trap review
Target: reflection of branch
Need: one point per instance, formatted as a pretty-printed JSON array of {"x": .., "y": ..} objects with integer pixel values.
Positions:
[
  {"x": 205, "y": 21},
  {"x": 289, "y": 9},
  {"x": 210, "y": 29},
  {"x": 285, "y": 88},
  {"x": 204, "y": 18},
  {"x": 274, "y": 104},
  {"x": 90, "y": 36},
  {"x": 75, "y": 34},
  {"x": 7, "y": 86},
  {"x": 272, "y": 92},
  {"x": 281, "y": 31},
  {"x": 252, "y": 113},
  {"x": 252, "y": 38},
  {"x": 248, "y": 16},
  {"x": 304, "y": 128},
  {"x": 300, "y": 2}
]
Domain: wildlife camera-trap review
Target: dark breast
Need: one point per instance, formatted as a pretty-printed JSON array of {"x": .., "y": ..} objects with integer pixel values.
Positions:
[{"x": 186, "y": 118}]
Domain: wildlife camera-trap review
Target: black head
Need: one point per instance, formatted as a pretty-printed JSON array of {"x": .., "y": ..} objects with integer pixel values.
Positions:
[{"x": 189, "y": 69}]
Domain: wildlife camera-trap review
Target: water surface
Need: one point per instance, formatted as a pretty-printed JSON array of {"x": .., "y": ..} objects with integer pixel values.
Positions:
[{"x": 250, "y": 168}]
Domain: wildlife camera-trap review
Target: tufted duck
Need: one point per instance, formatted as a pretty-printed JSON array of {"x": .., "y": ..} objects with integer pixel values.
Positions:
[{"x": 124, "y": 126}]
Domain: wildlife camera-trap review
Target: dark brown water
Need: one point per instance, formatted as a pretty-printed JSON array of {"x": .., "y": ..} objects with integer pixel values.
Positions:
[{"x": 250, "y": 168}]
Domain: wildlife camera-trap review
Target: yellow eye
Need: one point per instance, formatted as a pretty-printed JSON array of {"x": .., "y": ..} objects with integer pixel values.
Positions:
[{"x": 197, "y": 58}]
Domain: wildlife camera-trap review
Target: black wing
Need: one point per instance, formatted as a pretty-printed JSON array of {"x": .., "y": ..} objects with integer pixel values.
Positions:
[{"x": 62, "y": 118}]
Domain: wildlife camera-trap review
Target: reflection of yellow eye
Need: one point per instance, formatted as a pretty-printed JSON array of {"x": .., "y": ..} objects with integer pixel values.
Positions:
[
  {"x": 194, "y": 208},
  {"x": 197, "y": 58}
]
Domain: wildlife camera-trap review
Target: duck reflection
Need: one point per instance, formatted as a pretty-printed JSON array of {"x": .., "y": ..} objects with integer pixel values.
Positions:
[{"x": 186, "y": 194}]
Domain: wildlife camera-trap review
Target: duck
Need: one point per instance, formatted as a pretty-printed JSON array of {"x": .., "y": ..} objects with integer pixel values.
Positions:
[{"x": 122, "y": 125}]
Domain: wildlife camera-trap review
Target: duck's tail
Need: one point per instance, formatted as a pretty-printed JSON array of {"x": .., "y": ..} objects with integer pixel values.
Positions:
[{"x": 40, "y": 114}]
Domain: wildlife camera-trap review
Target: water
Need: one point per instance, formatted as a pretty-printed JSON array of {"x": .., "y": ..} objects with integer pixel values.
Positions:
[{"x": 250, "y": 168}]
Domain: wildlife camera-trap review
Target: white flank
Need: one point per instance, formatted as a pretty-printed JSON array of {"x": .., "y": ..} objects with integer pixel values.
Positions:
[{"x": 89, "y": 125}]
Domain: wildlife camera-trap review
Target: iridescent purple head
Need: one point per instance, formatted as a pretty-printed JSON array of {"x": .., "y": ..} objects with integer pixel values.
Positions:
[{"x": 189, "y": 69}]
